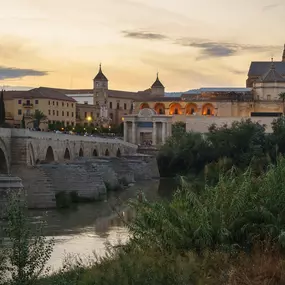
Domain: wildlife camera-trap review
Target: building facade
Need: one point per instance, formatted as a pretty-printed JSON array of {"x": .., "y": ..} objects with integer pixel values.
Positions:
[{"x": 56, "y": 106}]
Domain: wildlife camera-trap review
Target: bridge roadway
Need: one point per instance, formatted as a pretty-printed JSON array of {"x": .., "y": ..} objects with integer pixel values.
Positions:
[{"x": 25, "y": 147}]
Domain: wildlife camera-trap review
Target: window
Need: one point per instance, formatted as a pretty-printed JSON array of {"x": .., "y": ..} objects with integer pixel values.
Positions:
[
  {"x": 67, "y": 104},
  {"x": 67, "y": 114},
  {"x": 67, "y": 123},
  {"x": 19, "y": 112},
  {"x": 49, "y": 102},
  {"x": 19, "y": 101},
  {"x": 36, "y": 101},
  {"x": 85, "y": 114},
  {"x": 125, "y": 106},
  {"x": 208, "y": 112},
  {"x": 28, "y": 102},
  {"x": 53, "y": 102},
  {"x": 62, "y": 113},
  {"x": 118, "y": 105},
  {"x": 72, "y": 114},
  {"x": 72, "y": 124},
  {"x": 86, "y": 102},
  {"x": 49, "y": 112},
  {"x": 57, "y": 113},
  {"x": 56, "y": 103},
  {"x": 62, "y": 104},
  {"x": 268, "y": 97},
  {"x": 111, "y": 105},
  {"x": 111, "y": 116},
  {"x": 192, "y": 111},
  {"x": 53, "y": 112},
  {"x": 176, "y": 111},
  {"x": 72, "y": 105}
]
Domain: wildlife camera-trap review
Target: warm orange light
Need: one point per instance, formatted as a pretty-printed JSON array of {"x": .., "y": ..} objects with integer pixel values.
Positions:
[
  {"x": 89, "y": 118},
  {"x": 123, "y": 119}
]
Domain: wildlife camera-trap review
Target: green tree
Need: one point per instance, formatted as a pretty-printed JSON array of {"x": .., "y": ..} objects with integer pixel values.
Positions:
[
  {"x": 282, "y": 97},
  {"x": 23, "y": 122},
  {"x": 30, "y": 249},
  {"x": 38, "y": 118},
  {"x": 2, "y": 109}
]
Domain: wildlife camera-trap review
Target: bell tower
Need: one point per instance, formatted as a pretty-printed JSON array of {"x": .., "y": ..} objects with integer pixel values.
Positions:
[
  {"x": 157, "y": 88},
  {"x": 100, "y": 88}
]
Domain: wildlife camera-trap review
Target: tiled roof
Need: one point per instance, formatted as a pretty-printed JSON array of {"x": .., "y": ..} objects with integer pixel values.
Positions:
[
  {"x": 157, "y": 83},
  {"x": 37, "y": 93},
  {"x": 218, "y": 89},
  {"x": 100, "y": 75},
  {"x": 271, "y": 75},
  {"x": 258, "y": 68}
]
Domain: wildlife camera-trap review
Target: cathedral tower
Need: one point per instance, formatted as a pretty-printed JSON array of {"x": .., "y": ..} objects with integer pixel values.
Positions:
[
  {"x": 100, "y": 88},
  {"x": 157, "y": 88}
]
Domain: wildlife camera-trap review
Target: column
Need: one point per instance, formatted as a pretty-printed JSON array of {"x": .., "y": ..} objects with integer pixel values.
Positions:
[
  {"x": 154, "y": 133},
  {"x": 125, "y": 131},
  {"x": 163, "y": 133},
  {"x": 134, "y": 132}
]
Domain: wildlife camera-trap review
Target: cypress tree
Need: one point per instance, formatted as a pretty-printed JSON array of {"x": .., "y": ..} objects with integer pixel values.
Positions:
[{"x": 2, "y": 109}]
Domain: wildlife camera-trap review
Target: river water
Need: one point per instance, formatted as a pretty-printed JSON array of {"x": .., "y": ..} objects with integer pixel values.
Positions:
[{"x": 87, "y": 228}]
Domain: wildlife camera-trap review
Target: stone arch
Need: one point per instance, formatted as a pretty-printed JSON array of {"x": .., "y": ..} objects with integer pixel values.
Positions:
[
  {"x": 191, "y": 108},
  {"x": 49, "y": 154},
  {"x": 118, "y": 154},
  {"x": 31, "y": 154},
  {"x": 81, "y": 154},
  {"x": 66, "y": 154},
  {"x": 159, "y": 108},
  {"x": 144, "y": 106},
  {"x": 95, "y": 152},
  {"x": 175, "y": 109},
  {"x": 208, "y": 109},
  {"x": 107, "y": 153},
  {"x": 4, "y": 159},
  {"x": 3, "y": 163}
]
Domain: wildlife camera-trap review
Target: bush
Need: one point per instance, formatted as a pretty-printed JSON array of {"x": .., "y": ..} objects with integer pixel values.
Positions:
[{"x": 239, "y": 208}]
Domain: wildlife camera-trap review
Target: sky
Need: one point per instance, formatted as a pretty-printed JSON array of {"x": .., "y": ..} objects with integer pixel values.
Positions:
[{"x": 192, "y": 44}]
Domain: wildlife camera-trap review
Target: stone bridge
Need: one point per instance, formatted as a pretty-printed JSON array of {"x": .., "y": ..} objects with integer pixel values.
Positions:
[{"x": 25, "y": 147}]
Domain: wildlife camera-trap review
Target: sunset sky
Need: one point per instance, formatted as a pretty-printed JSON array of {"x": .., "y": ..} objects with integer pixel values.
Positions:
[{"x": 60, "y": 43}]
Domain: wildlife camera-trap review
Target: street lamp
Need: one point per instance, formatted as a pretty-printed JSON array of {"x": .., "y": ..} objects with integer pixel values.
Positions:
[{"x": 89, "y": 119}]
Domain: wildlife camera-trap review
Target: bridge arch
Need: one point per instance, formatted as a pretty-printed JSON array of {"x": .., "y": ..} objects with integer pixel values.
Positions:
[
  {"x": 118, "y": 154},
  {"x": 49, "y": 155},
  {"x": 107, "y": 153},
  {"x": 66, "y": 154},
  {"x": 31, "y": 155},
  {"x": 81, "y": 153},
  {"x": 95, "y": 152},
  {"x": 4, "y": 158}
]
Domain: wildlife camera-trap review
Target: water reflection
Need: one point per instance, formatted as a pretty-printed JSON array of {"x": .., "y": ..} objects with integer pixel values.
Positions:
[{"x": 88, "y": 227}]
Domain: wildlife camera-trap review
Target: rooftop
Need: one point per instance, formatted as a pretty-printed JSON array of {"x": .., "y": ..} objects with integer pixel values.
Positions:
[
  {"x": 271, "y": 75},
  {"x": 258, "y": 68},
  {"x": 37, "y": 93},
  {"x": 100, "y": 75}
]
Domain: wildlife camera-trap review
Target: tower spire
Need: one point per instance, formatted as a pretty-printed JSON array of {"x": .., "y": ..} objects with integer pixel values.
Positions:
[{"x": 283, "y": 56}]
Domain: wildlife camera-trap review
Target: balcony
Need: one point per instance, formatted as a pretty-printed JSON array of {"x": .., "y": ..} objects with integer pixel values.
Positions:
[{"x": 28, "y": 105}]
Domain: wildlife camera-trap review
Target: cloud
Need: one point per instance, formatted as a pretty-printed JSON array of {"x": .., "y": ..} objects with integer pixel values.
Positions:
[
  {"x": 221, "y": 49},
  {"x": 144, "y": 35},
  {"x": 271, "y": 6},
  {"x": 12, "y": 72}
]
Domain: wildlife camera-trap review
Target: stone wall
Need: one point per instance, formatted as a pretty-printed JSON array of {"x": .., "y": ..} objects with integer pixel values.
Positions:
[
  {"x": 201, "y": 124},
  {"x": 88, "y": 177}
]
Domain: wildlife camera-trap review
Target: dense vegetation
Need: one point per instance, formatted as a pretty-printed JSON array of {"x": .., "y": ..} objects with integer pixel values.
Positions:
[
  {"x": 240, "y": 144},
  {"x": 225, "y": 225}
]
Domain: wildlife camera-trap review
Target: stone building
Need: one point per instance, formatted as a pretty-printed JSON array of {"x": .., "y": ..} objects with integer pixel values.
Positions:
[
  {"x": 147, "y": 127},
  {"x": 259, "y": 68},
  {"x": 55, "y": 105}
]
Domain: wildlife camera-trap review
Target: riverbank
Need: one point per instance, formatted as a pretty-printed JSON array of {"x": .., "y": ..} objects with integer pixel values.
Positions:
[{"x": 85, "y": 228}]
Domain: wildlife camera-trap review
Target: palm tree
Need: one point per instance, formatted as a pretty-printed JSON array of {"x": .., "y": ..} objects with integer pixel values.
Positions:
[
  {"x": 282, "y": 97},
  {"x": 38, "y": 118}
]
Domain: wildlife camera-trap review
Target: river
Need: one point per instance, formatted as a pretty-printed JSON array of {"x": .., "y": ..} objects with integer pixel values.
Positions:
[{"x": 87, "y": 227}]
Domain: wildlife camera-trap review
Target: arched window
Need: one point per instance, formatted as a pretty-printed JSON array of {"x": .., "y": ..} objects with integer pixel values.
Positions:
[
  {"x": 81, "y": 152},
  {"x": 208, "y": 110},
  {"x": 159, "y": 108},
  {"x": 67, "y": 154},
  {"x": 118, "y": 153},
  {"x": 144, "y": 106},
  {"x": 190, "y": 109},
  {"x": 107, "y": 152},
  {"x": 175, "y": 109},
  {"x": 95, "y": 153}
]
